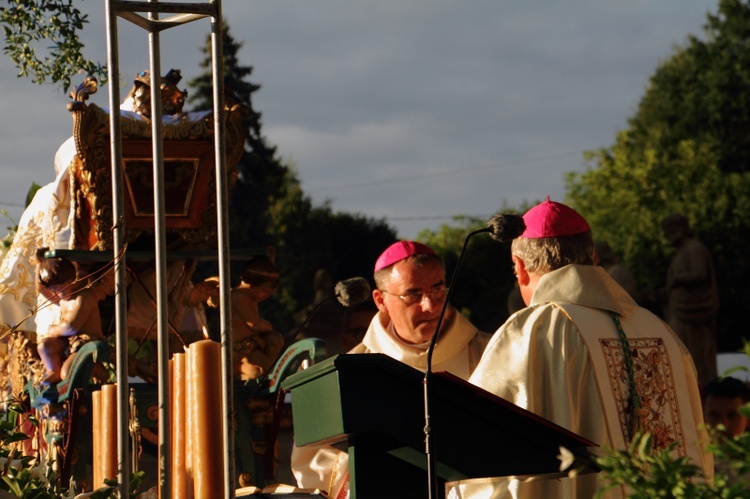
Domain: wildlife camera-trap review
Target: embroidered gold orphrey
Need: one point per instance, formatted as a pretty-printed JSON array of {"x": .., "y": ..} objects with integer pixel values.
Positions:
[{"x": 655, "y": 382}]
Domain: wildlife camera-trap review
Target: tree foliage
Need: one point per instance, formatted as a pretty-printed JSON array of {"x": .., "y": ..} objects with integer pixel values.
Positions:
[
  {"x": 311, "y": 238},
  {"x": 485, "y": 278},
  {"x": 261, "y": 173},
  {"x": 29, "y": 24},
  {"x": 648, "y": 472},
  {"x": 686, "y": 149}
]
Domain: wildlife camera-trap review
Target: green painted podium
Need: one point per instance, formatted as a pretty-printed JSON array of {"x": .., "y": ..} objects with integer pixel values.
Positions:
[{"x": 373, "y": 405}]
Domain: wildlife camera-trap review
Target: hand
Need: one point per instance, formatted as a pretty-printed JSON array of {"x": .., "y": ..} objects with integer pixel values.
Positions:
[{"x": 203, "y": 292}]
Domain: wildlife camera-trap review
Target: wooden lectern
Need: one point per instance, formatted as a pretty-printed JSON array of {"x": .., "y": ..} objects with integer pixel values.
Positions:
[{"x": 374, "y": 405}]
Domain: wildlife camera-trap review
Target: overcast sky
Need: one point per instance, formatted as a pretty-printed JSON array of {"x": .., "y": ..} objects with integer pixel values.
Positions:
[{"x": 411, "y": 110}]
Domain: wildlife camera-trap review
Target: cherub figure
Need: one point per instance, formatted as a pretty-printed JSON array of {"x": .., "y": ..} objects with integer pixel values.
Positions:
[
  {"x": 256, "y": 344},
  {"x": 78, "y": 302}
]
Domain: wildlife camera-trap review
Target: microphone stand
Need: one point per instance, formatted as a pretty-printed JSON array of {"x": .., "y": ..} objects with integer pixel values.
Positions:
[{"x": 432, "y": 478}]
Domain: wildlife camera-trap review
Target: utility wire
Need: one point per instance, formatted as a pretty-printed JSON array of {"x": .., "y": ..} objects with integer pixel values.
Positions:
[
  {"x": 459, "y": 171},
  {"x": 434, "y": 217}
]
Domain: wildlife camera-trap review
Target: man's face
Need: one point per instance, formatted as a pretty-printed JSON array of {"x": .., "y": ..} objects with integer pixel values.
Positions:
[
  {"x": 414, "y": 323},
  {"x": 725, "y": 411}
]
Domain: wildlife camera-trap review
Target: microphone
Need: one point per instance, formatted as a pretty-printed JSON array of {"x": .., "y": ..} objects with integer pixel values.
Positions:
[
  {"x": 352, "y": 291},
  {"x": 501, "y": 227},
  {"x": 348, "y": 292},
  {"x": 505, "y": 227}
]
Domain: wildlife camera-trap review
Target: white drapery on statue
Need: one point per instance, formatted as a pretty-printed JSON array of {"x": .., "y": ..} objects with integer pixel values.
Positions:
[{"x": 46, "y": 222}]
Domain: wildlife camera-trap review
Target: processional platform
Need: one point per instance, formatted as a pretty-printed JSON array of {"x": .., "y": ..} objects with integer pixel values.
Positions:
[{"x": 374, "y": 406}]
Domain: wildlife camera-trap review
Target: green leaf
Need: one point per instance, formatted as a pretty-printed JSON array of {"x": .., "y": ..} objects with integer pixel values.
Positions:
[
  {"x": 15, "y": 437},
  {"x": 32, "y": 192},
  {"x": 13, "y": 486}
]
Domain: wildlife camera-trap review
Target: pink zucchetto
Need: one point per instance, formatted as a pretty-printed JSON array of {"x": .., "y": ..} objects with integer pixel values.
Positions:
[
  {"x": 399, "y": 251},
  {"x": 551, "y": 219}
]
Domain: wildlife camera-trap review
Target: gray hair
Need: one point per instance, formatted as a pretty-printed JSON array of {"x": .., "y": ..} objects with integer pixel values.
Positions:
[{"x": 551, "y": 253}]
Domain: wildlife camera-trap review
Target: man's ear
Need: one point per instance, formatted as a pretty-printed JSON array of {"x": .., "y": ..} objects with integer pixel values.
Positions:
[
  {"x": 522, "y": 275},
  {"x": 379, "y": 299}
]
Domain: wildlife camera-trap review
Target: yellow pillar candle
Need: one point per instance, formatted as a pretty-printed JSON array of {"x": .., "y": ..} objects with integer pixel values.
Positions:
[
  {"x": 189, "y": 424},
  {"x": 179, "y": 424},
  {"x": 96, "y": 429},
  {"x": 108, "y": 439},
  {"x": 208, "y": 453}
]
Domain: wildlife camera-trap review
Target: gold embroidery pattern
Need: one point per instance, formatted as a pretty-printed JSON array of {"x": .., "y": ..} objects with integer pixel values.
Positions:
[
  {"x": 18, "y": 296},
  {"x": 655, "y": 382}
]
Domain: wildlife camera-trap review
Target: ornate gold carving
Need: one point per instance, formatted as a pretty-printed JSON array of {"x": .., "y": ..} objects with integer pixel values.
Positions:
[
  {"x": 91, "y": 169},
  {"x": 172, "y": 98},
  {"x": 82, "y": 92},
  {"x": 23, "y": 362}
]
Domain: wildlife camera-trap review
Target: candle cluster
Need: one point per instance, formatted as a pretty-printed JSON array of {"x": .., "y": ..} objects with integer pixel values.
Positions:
[
  {"x": 196, "y": 425},
  {"x": 197, "y": 429}
]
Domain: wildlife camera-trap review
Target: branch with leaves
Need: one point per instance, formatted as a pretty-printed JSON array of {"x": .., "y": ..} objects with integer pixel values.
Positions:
[{"x": 28, "y": 24}]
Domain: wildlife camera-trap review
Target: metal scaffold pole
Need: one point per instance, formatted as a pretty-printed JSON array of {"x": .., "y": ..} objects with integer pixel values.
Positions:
[
  {"x": 121, "y": 340},
  {"x": 160, "y": 253},
  {"x": 222, "y": 216},
  {"x": 183, "y": 13}
]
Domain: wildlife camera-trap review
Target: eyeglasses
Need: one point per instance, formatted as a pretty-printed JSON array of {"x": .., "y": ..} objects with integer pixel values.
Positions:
[{"x": 437, "y": 294}]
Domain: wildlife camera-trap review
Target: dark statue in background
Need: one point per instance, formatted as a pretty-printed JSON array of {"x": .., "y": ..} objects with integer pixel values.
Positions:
[{"x": 692, "y": 300}]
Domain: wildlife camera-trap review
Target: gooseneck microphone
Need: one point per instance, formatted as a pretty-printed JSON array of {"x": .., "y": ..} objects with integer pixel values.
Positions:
[
  {"x": 348, "y": 292},
  {"x": 352, "y": 291},
  {"x": 501, "y": 227},
  {"x": 505, "y": 227}
]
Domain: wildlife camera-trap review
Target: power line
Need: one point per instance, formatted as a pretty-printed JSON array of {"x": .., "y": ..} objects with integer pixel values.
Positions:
[
  {"x": 446, "y": 173},
  {"x": 369, "y": 183},
  {"x": 12, "y": 205},
  {"x": 432, "y": 217}
]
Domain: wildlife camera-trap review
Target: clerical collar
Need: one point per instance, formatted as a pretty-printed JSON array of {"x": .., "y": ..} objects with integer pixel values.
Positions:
[{"x": 418, "y": 346}]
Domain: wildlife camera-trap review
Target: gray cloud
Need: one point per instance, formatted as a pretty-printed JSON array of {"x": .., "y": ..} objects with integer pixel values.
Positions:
[{"x": 459, "y": 99}]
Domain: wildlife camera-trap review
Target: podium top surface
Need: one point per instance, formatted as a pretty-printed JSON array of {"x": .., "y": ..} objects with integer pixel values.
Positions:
[
  {"x": 374, "y": 399},
  {"x": 445, "y": 382},
  {"x": 376, "y": 361}
]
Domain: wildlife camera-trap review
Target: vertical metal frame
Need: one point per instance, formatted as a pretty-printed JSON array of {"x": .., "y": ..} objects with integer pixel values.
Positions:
[
  {"x": 222, "y": 219},
  {"x": 184, "y": 13},
  {"x": 121, "y": 339}
]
